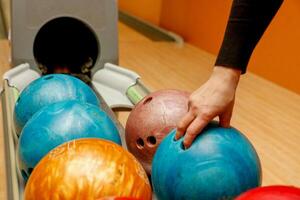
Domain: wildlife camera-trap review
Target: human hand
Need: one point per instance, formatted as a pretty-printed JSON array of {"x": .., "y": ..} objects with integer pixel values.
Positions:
[{"x": 213, "y": 98}]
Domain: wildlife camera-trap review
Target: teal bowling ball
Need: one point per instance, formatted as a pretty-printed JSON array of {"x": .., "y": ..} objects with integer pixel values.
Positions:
[
  {"x": 50, "y": 89},
  {"x": 59, "y": 123},
  {"x": 220, "y": 164}
]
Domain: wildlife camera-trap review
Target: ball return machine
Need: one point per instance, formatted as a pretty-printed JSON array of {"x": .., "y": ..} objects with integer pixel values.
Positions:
[{"x": 88, "y": 47}]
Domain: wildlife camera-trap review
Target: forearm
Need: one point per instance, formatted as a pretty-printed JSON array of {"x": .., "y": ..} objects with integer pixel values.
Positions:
[{"x": 247, "y": 22}]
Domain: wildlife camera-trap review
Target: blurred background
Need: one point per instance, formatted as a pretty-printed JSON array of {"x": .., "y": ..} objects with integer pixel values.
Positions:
[
  {"x": 203, "y": 22},
  {"x": 4, "y": 17}
]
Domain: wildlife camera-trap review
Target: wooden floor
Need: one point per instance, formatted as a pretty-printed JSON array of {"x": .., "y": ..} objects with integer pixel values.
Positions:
[
  {"x": 268, "y": 114},
  {"x": 4, "y": 55}
]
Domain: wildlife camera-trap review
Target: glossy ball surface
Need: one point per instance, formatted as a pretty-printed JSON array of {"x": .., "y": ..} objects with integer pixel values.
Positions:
[
  {"x": 118, "y": 198},
  {"x": 88, "y": 169},
  {"x": 220, "y": 164},
  {"x": 59, "y": 123},
  {"x": 47, "y": 90},
  {"x": 276, "y": 192}
]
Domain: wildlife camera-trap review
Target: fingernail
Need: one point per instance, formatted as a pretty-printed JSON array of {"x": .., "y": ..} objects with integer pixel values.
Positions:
[
  {"x": 176, "y": 136},
  {"x": 186, "y": 146}
]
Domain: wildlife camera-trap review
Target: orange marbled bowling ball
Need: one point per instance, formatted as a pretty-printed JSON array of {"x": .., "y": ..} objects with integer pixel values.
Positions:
[
  {"x": 88, "y": 169},
  {"x": 118, "y": 198}
]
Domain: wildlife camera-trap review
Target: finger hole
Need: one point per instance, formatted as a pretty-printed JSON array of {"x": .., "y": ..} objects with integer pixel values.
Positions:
[
  {"x": 182, "y": 146},
  {"x": 151, "y": 141},
  {"x": 174, "y": 138},
  {"x": 18, "y": 100},
  {"x": 24, "y": 174},
  {"x": 48, "y": 77},
  {"x": 148, "y": 100},
  {"x": 140, "y": 143}
]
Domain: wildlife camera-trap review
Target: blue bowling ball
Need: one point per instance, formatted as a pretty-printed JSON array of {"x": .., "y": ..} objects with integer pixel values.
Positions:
[
  {"x": 58, "y": 123},
  {"x": 47, "y": 90},
  {"x": 220, "y": 164}
]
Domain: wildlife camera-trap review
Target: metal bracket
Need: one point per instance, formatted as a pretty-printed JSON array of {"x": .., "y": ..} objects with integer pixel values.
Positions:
[
  {"x": 20, "y": 76},
  {"x": 120, "y": 87}
]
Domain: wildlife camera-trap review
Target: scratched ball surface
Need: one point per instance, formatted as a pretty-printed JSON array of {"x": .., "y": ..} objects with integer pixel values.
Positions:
[
  {"x": 151, "y": 120},
  {"x": 50, "y": 89},
  {"x": 220, "y": 164},
  {"x": 59, "y": 123},
  {"x": 88, "y": 169}
]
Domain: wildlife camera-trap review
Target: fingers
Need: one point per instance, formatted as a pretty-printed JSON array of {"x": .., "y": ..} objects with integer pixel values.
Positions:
[
  {"x": 196, "y": 126},
  {"x": 183, "y": 124},
  {"x": 224, "y": 118},
  {"x": 194, "y": 129}
]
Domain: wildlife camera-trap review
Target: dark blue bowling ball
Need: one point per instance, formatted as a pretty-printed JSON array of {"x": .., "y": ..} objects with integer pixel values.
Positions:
[
  {"x": 58, "y": 123},
  {"x": 47, "y": 90},
  {"x": 220, "y": 164}
]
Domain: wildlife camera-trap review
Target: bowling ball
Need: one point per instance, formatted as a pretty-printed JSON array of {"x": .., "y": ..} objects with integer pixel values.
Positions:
[
  {"x": 220, "y": 164},
  {"x": 59, "y": 123},
  {"x": 88, "y": 169},
  {"x": 151, "y": 120},
  {"x": 276, "y": 192},
  {"x": 118, "y": 198},
  {"x": 47, "y": 90}
]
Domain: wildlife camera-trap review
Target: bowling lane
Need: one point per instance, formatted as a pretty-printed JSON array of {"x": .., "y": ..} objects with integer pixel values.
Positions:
[{"x": 266, "y": 113}]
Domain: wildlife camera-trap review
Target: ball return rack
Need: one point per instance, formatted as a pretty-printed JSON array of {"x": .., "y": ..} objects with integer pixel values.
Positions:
[
  {"x": 94, "y": 23},
  {"x": 116, "y": 88}
]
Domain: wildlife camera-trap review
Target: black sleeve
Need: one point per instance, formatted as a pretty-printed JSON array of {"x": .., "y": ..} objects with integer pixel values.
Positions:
[{"x": 247, "y": 22}]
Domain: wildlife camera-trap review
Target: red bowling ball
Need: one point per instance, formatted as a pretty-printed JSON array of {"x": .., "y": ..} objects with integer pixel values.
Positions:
[
  {"x": 151, "y": 120},
  {"x": 272, "y": 193}
]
